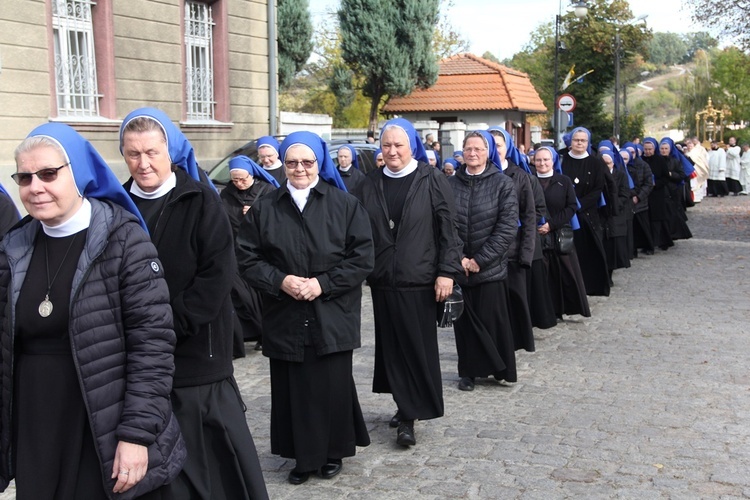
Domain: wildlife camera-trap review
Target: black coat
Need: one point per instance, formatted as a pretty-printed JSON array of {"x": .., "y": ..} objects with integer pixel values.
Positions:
[
  {"x": 643, "y": 181},
  {"x": 522, "y": 247},
  {"x": 487, "y": 216},
  {"x": 331, "y": 241},
  {"x": 353, "y": 179},
  {"x": 617, "y": 225},
  {"x": 427, "y": 244},
  {"x": 121, "y": 338},
  {"x": 540, "y": 210},
  {"x": 659, "y": 197},
  {"x": 194, "y": 240},
  {"x": 8, "y": 214},
  {"x": 588, "y": 181},
  {"x": 560, "y": 198},
  {"x": 235, "y": 200}
]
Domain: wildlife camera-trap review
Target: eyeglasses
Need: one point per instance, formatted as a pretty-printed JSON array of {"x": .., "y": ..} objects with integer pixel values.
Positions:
[
  {"x": 45, "y": 175},
  {"x": 293, "y": 164},
  {"x": 474, "y": 150},
  {"x": 240, "y": 179},
  {"x": 580, "y": 140}
]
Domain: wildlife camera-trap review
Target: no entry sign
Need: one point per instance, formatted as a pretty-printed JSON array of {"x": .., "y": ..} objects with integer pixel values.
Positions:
[{"x": 566, "y": 102}]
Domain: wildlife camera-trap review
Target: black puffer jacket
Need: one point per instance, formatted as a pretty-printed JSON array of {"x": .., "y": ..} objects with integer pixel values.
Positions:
[
  {"x": 120, "y": 304},
  {"x": 522, "y": 248},
  {"x": 487, "y": 215},
  {"x": 643, "y": 183},
  {"x": 427, "y": 244},
  {"x": 194, "y": 240}
]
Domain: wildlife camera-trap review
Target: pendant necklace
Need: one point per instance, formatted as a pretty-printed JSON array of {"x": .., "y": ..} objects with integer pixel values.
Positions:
[{"x": 45, "y": 307}]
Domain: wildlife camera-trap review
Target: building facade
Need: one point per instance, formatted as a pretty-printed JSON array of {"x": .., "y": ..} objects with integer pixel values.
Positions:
[{"x": 88, "y": 63}]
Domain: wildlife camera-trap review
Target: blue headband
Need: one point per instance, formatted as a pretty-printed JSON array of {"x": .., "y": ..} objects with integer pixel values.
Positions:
[
  {"x": 452, "y": 162},
  {"x": 511, "y": 151},
  {"x": 180, "y": 150},
  {"x": 242, "y": 162},
  {"x": 376, "y": 153},
  {"x": 267, "y": 140},
  {"x": 417, "y": 148},
  {"x": 588, "y": 134},
  {"x": 676, "y": 153},
  {"x": 355, "y": 161},
  {"x": 93, "y": 178},
  {"x": 326, "y": 168}
]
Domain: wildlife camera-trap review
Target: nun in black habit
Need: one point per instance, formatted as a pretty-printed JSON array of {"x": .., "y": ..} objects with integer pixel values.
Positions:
[
  {"x": 587, "y": 173},
  {"x": 308, "y": 247},
  {"x": 658, "y": 200},
  {"x": 643, "y": 184},
  {"x": 487, "y": 215},
  {"x": 417, "y": 257},
  {"x": 565, "y": 280}
]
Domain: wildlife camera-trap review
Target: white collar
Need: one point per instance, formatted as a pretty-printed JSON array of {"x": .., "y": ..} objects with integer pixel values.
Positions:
[
  {"x": 410, "y": 168},
  {"x": 505, "y": 165},
  {"x": 346, "y": 169},
  {"x": 478, "y": 173},
  {"x": 547, "y": 175},
  {"x": 274, "y": 166},
  {"x": 579, "y": 157},
  {"x": 77, "y": 223},
  {"x": 300, "y": 196},
  {"x": 162, "y": 190}
]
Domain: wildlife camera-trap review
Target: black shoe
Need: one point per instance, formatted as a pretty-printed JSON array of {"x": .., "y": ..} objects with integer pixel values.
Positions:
[
  {"x": 648, "y": 252},
  {"x": 405, "y": 434},
  {"x": 258, "y": 346},
  {"x": 466, "y": 384},
  {"x": 297, "y": 477},
  {"x": 395, "y": 420},
  {"x": 331, "y": 469}
]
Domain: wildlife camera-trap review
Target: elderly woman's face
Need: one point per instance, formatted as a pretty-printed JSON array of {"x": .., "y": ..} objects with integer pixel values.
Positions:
[
  {"x": 299, "y": 175},
  {"x": 147, "y": 158},
  {"x": 502, "y": 148},
  {"x": 396, "y": 149},
  {"x": 50, "y": 202},
  {"x": 543, "y": 161},
  {"x": 344, "y": 157},
  {"x": 664, "y": 149},
  {"x": 241, "y": 178},
  {"x": 379, "y": 161},
  {"x": 267, "y": 156},
  {"x": 475, "y": 152},
  {"x": 608, "y": 161},
  {"x": 579, "y": 143},
  {"x": 648, "y": 148},
  {"x": 448, "y": 169}
]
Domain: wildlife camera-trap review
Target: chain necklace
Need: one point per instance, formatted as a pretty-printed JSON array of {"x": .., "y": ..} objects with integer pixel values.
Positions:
[{"x": 45, "y": 307}]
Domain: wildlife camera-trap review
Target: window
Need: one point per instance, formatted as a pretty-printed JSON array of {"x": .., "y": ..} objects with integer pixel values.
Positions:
[
  {"x": 75, "y": 61},
  {"x": 199, "y": 61}
]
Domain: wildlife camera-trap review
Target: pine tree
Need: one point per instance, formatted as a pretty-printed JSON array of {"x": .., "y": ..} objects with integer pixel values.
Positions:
[
  {"x": 294, "y": 37},
  {"x": 388, "y": 43}
]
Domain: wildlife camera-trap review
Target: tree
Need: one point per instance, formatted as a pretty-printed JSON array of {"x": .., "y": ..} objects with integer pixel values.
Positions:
[
  {"x": 696, "y": 89},
  {"x": 446, "y": 41},
  {"x": 699, "y": 40},
  {"x": 667, "y": 49},
  {"x": 727, "y": 17},
  {"x": 295, "y": 38},
  {"x": 388, "y": 44},
  {"x": 731, "y": 74}
]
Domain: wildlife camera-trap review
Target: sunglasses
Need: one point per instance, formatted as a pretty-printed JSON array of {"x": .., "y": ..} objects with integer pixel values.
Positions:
[{"x": 45, "y": 175}]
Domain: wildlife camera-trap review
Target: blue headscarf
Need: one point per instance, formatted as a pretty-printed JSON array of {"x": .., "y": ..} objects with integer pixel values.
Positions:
[
  {"x": 93, "y": 178},
  {"x": 676, "y": 153},
  {"x": 557, "y": 166},
  {"x": 458, "y": 152},
  {"x": 417, "y": 148},
  {"x": 588, "y": 133},
  {"x": 511, "y": 151},
  {"x": 566, "y": 139},
  {"x": 355, "y": 161},
  {"x": 639, "y": 150},
  {"x": 267, "y": 140},
  {"x": 326, "y": 168},
  {"x": 376, "y": 153},
  {"x": 242, "y": 162},
  {"x": 451, "y": 161},
  {"x": 612, "y": 155},
  {"x": 179, "y": 148},
  {"x": 630, "y": 156},
  {"x": 654, "y": 142},
  {"x": 617, "y": 159}
]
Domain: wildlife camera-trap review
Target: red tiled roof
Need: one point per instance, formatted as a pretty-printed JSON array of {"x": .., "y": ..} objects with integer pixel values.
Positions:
[{"x": 469, "y": 83}]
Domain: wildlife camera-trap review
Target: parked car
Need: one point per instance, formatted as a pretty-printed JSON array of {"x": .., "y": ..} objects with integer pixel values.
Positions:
[{"x": 219, "y": 173}]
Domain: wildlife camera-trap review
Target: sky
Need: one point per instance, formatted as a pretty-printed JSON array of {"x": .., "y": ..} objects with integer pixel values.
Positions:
[{"x": 477, "y": 20}]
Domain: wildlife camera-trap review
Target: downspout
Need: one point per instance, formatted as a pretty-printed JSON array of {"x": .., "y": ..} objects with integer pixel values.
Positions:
[{"x": 273, "y": 90}]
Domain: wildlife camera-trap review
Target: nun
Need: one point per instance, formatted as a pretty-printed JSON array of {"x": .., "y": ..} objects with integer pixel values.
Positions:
[
  {"x": 587, "y": 172},
  {"x": 487, "y": 216},
  {"x": 615, "y": 224},
  {"x": 417, "y": 257},
  {"x": 378, "y": 156},
  {"x": 191, "y": 231},
  {"x": 9, "y": 215},
  {"x": 680, "y": 169},
  {"x": 643, "y": 184},
  {"x": 565, "y": 279},
  {"x": 659, "y": 199},
  {"x": 349, "y": 169},
  {"x": 308, "y": 248},
  {"x": 268, "y": 157}
]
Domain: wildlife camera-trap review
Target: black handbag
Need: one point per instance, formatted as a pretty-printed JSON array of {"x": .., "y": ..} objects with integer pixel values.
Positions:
[
  {"x": 451, "y": 309},
  {"x": 564, "y": 240}
]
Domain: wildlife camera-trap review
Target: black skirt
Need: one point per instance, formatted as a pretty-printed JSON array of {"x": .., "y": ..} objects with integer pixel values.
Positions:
[
  {"x": 541, "y": 308},
  {"x": 315, "y": 412},
  {"x": 566, "y": 284},
  {"x": 407, "y": 360},
  {"x": 618, "y": 252},
  {"x": 592, "y": 259},
  {"x": 642, "y": 237},
  {"x": 518, "y": 308},
  {"x": 484, "y": 340},
  {"x": 222, "y": 462}
]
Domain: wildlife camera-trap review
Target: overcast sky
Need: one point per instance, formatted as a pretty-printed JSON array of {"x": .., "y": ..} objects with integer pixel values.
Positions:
[{"x": 503, "y": 26}]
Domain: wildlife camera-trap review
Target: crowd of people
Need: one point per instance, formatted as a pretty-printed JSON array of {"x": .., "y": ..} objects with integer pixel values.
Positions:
[{"x": 125, "y": 304}]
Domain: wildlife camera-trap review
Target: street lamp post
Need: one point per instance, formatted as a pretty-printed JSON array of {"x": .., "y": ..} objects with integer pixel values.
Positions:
[{"x": 580, "y": 9}]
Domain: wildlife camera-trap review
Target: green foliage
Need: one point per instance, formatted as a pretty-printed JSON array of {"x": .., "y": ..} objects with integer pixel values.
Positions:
[
  {"x": 446, "y": 41},
  {"x": 667, "y": 49},
  {"x": 388, "y": 44},
  {"x": 727, "y": 17},
  {"x": 696, "y": 89},
  {"x": 699, "y": 41},
  {"x": 631, "y": 125},
  {"x": 490, "y": 57},
  {"x": 294, "y": 38},
  {"x": 731, "y": 71}
]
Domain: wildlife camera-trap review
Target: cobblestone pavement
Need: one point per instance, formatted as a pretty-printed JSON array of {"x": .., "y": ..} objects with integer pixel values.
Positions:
[{"x": 648, "y": 398}]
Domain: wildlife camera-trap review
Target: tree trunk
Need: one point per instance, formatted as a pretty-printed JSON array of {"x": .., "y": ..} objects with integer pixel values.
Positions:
[{"x": 374, "y": 109}]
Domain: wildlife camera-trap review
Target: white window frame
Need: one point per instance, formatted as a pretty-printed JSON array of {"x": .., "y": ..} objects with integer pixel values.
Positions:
[
  {"x": 75, "y": 60},
  {"x": 199, "y": 61}
]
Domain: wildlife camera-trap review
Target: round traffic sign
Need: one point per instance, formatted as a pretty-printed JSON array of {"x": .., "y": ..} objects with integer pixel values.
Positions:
[{"x": 566, "y": 102}]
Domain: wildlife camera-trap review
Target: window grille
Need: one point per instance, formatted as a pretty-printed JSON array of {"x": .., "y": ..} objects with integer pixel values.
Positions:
[
  {"x": 199, "y": 61},
  {"x": 75, "y": 64}
]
